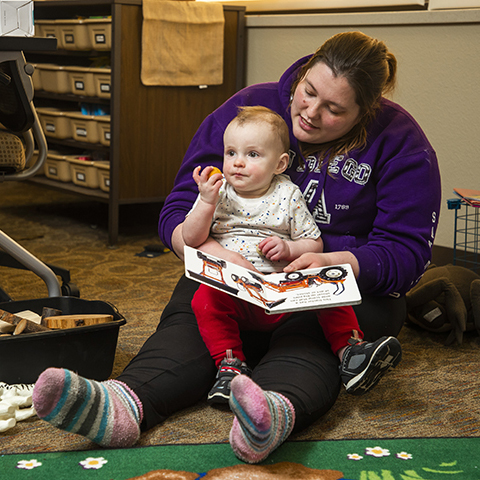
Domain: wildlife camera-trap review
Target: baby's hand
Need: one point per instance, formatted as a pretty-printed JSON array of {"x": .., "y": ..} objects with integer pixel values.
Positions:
[
  {"x": 274, "y": 248},
  {"x": 209, "y": 182}
]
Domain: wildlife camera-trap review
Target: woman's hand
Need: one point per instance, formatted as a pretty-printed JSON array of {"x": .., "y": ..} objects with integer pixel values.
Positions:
[{"x": 315, "y": 260}]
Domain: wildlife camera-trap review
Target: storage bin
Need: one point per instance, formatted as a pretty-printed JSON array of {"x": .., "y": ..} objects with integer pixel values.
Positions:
[
  {"x": 57, "y": 167},
  {"x": 84, "y": 127},
  {"x": 33, "y": 161},
  {"x": 81, "y": 81},
  {"x": 102, "y": 79},
  {"x": 54, "y": 78},
  {"x": 55, "y": 123},
  {"x": 38, "y": 26},
  {"x": 100, "y": 33},
  {"x": 48, "y": 28},
  {"x": 103, "y": 125},
  {"x": 36, "y": 78},
  {"x": 74, "y": 34},
  {"x": 103, "y": 171},
  {"x": 84, "y": 173},
  {"x": 88, "y": 350}
]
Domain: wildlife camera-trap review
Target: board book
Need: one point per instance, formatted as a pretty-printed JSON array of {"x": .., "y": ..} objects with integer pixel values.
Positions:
[
  {"x": 310, "y": 289},
  {"x": 471, "y": 197}
]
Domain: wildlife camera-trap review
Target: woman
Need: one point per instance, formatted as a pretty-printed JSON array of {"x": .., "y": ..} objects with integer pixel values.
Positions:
[{"x": 371, "y": 180}]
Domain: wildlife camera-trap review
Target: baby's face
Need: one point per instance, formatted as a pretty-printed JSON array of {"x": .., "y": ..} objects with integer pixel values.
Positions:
[{"x": 252, "y": 156}]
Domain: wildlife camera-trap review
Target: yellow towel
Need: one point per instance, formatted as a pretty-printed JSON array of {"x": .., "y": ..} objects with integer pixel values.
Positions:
[{"x": 182, "y": 43}]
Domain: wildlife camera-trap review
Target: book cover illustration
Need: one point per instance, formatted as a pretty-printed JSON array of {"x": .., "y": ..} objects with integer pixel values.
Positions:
[{"x": 310, "y": 289}]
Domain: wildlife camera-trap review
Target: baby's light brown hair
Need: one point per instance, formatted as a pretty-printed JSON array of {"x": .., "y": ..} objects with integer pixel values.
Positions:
[{"x": 259, "y": 114}]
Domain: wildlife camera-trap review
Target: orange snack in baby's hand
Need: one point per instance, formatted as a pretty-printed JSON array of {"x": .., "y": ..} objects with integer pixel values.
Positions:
[{"x": 214, "y": 171}]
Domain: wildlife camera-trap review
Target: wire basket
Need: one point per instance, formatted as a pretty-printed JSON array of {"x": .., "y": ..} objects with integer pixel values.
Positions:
[{"x": 466, "y": 248}]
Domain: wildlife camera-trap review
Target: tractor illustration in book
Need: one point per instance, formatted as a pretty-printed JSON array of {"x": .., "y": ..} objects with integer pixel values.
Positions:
[
  {"x": 294, "y": 280},
  {"x": 212, "y": 274}
]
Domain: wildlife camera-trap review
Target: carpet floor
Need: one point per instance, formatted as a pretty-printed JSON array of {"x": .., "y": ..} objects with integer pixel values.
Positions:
[{"x": 434, "y": 392}]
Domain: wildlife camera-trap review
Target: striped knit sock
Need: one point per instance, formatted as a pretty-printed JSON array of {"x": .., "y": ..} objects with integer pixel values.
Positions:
[
  {"x": 108, "y": 413},
  {"x": 263, "y": 420}
]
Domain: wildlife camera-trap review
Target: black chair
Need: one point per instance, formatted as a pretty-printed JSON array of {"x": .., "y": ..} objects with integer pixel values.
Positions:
[{"x": 18, "y": 118}]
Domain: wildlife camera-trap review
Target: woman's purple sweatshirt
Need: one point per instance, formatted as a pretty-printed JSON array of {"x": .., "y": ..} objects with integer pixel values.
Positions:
[{"x": 381, "y": 202}]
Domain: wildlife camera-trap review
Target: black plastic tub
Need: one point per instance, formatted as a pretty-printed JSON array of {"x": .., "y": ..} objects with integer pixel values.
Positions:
[{"x": 88, "y": 350}]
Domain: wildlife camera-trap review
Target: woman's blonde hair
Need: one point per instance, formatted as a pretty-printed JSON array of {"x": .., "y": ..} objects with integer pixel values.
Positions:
[{"x": 371, "y": 71}]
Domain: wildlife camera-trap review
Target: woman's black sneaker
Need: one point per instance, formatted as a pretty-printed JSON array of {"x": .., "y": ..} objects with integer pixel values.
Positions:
[{"x": 364, "y": 363}]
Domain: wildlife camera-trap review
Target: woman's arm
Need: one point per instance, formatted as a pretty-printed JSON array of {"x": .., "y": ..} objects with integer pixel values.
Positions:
[{"x": 380, "y": 210}]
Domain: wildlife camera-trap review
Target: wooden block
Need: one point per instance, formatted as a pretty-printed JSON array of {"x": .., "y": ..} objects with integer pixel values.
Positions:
[
  {"x": 76, "y": 320},
  {"x": 29, "y": 327},
  {"x": 21, "y": 325}
]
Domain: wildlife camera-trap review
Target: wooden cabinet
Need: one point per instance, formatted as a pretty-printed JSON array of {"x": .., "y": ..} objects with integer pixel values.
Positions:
[{"x": 151, "y": 127}]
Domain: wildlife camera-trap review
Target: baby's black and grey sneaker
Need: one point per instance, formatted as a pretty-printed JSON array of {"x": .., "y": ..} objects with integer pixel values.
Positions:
[
  {"x": 229, "y": 369},
  {"x": 364, "y": 363}
]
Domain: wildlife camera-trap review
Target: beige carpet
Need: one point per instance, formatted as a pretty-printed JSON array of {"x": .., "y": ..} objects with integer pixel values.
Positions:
[{"x": 434, "y": 392}]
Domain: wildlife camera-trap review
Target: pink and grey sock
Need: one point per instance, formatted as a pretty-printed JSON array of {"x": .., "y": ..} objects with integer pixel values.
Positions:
[
  {"x": 263, "y": 420},
  {"x": 108, "y": 413}
]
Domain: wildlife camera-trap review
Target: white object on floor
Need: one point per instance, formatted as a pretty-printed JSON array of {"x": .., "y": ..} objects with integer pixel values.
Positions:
[
  {"x": 7, "y": 424},
  {"x": 15, "y": 404}
]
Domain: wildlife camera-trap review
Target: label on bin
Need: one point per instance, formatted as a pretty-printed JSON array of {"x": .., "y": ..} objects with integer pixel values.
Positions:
[
  {"x": 50, "y": 127},
  {"x": 81, "y": 177},
  {"x": 81, "y": 132},
  {"x": 107, "y": 136},
  {"x": 105, "y": 87},
  {"x": 100, "y": 38},
  {"x": 79, "y": 85},
  {"x": 52, "y": 171},
  {"x": 69, "y": 38}
]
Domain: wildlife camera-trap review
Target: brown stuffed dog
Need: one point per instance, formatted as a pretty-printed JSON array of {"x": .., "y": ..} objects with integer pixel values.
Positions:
[
  {"x": 446, "y": 299},
  {"x": 277, "y": 471}
]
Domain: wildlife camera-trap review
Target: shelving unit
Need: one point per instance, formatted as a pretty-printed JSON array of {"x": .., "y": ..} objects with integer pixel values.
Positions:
[{"x": 151, "y": 127}]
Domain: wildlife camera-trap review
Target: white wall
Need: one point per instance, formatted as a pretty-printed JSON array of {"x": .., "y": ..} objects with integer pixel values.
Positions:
[{"x": 439, "y": 76}]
